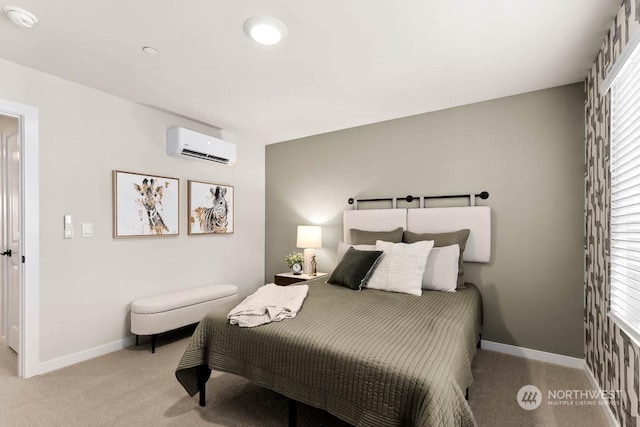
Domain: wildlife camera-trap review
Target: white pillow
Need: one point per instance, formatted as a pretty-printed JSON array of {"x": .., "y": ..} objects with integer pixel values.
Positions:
[
  {"x": 344, "y": 247},
  {"x": 401, "y": 268},
  {"x": 441, "y": 272}
]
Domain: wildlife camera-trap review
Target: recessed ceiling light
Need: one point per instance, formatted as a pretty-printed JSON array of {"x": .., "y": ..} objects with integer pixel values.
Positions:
[
  {"x": 20, "y": 17},
  {"x": 150, "y": 50},
  {"x": 265, "y": 30}
]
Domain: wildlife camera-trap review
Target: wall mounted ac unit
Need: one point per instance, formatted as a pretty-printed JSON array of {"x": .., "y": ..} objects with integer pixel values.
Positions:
[{"x": 185, "y": 143}]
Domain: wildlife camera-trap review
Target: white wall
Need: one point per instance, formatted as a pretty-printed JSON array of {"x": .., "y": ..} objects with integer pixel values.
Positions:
[{"x": 87, "y": 284}]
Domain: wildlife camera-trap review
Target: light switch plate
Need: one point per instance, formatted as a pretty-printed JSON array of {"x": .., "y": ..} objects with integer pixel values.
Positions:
[
  {"x": 68, "y": 227},
  {"x": 87, "y": 229}
]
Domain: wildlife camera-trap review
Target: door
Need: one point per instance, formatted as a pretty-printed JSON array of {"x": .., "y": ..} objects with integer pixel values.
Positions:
[
  {"x": 22, "y": 204},
  {"x": 11, "y": 250}
]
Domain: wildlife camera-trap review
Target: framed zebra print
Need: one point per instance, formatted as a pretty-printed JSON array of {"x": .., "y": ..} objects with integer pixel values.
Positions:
[
  {"x": 210, "y": 208},
  {"x": 145, "y": 205}
]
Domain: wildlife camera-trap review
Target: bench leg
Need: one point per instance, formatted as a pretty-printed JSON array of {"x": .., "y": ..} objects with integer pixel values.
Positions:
[
  {"x": 137, "y": 340},
  {"x": 154, "y": 339},
  {"x": 293, "y": 413}
]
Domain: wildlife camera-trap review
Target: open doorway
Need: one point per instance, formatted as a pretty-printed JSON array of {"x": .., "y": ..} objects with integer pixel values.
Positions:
[
  {"x": 20, "y": 236},
  {"x": 10, "y": 227}
]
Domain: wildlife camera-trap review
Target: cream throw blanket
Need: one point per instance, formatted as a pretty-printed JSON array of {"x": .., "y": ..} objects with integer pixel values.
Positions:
[{"x": 270, "y": 303}]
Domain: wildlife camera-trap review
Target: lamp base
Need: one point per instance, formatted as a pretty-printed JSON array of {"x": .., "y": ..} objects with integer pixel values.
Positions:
[
  {"x": 314, "y": 266},
  {"x": 308, "y": 254}
]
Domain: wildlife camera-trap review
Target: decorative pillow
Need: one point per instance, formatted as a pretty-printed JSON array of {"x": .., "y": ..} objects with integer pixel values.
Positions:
[
  {"x": 401, "y": 268},
  {"x": 443, "y": 239},
  {"x": 363, "y": 237},
  {"x": 441, "y": 272},
  {"x": 343, "y": 247},
  {"x": 355, "y": 268}
]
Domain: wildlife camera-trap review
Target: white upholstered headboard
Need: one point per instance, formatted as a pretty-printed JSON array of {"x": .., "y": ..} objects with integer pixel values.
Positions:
[{"x": 429, "y": 220}]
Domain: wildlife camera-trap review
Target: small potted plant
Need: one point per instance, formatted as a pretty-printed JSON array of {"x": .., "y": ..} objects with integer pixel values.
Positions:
[{"x": 295, "y": 261}]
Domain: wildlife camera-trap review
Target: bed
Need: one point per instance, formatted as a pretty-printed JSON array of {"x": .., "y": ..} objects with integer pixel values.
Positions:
[{"x": 369, "y": 357}]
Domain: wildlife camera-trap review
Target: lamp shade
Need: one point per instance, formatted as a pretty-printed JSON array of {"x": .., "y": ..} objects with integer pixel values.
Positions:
[{"x": 309, "y": 236}]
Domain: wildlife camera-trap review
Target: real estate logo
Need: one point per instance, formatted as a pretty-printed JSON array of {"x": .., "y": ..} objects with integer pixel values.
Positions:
[{"x": 529, "y": 397}]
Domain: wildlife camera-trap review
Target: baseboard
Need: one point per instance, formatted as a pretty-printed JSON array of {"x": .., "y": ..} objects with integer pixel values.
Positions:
[
  {"x": 542, "y": 356},
  {"x": 611, "y": 419},
  {"x": 72, "y": 359}
]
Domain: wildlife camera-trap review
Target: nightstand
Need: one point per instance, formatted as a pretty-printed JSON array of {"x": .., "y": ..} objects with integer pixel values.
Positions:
[{"x": 284, "y": 279}]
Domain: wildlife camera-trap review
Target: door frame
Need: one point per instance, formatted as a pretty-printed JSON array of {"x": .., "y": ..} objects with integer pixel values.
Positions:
[{"x": 29, "y": 349}]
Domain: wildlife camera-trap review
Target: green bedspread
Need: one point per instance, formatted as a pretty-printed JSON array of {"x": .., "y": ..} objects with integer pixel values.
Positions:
[{"x": 371, "y": 358}]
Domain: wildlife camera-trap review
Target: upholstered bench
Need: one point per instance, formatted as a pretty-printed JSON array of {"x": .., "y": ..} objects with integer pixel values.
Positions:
[{"x": 163, "y": 313}]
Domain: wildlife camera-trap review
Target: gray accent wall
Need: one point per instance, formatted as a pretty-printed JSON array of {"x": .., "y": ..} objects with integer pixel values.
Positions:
[{"x": 526, "y": 150}]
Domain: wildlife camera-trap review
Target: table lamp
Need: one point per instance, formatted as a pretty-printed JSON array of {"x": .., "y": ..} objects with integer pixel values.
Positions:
[{"x": 309, "y": 238}]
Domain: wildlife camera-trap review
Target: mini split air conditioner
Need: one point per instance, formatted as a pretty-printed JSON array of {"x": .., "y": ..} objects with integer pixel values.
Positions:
[{"x": 189, "y": 144}]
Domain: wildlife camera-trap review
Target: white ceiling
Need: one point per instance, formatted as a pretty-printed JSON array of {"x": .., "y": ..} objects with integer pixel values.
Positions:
[{"x": 344, "y": 63}]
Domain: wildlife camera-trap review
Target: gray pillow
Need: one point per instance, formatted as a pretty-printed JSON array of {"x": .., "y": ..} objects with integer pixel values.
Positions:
[
  {"x": 355, "y": 269},
  {"x": 363, "y": 237},
  {"x": 443, "y": 239}
]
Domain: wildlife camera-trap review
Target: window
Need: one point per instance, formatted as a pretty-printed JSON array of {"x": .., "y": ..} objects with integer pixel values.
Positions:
[{"x": 624, "y": 305}]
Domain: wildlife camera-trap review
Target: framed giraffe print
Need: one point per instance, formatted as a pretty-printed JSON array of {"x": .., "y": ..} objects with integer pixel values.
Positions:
[
  {"x": 145, "y": 205},
  {"x": 211, "y": 208}
]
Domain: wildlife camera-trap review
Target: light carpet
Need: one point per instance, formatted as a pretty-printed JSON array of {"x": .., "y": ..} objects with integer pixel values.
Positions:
[
  {"x": 8, "y": 360},
  {"x": 134, "y": 387}
]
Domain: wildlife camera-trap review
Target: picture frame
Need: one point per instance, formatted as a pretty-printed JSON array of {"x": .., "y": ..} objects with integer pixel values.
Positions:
[
  {"x": 145, "y": 205},
  {"x": 211, "y": 208}
]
